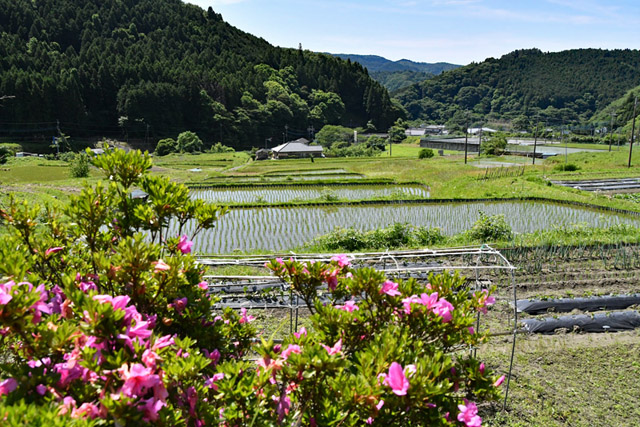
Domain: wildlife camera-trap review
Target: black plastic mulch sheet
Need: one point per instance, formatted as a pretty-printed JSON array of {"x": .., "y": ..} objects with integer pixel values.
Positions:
[
  {"x": 605, "y": 322},
  {"x": 563, "y": 305}
]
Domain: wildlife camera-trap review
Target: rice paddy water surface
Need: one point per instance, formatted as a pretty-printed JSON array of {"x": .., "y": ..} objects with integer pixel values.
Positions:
[
  {"x": 276, "y": 194},
  {"x": 285, "y": 228}
]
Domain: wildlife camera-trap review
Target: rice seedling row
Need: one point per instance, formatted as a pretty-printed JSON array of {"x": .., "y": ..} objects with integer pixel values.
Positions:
[
  {"x": 279, "y": 194},
  {"x": 285, "y": 228}
]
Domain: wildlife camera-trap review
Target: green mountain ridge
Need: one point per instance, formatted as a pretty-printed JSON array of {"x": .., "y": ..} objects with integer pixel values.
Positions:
[
  {"x": 375, "y": 63},
  {"x": 557, "y": 87},
  {"x": 153, "y": 68}
]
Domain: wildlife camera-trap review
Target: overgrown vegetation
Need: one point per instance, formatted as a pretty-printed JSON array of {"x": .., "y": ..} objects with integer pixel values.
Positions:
[
  {"x": 79, "y": 167},
  {"x": 425, "y": 153}
]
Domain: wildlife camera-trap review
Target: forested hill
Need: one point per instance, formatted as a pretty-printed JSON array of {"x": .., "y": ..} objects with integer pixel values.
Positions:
[
  {"x": 375, "y": 63},
  {"x": 395, "y": 75},
  {"x": 132, "y": 67},
  {"x": 564, "y": 86}
]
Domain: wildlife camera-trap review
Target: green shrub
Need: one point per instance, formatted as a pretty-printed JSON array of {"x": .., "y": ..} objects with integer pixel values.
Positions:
[
  {"x": 429, "y": 236},
  {"x": 80, "y": 166},
  {"x": 490, "y": 228},
  {"x": 568, "y": 167},
  {"x": 5, "y": 154},
  {"x": 166, "y": 146},
  {"x": 494, "y": 145},
  {"x": 12, "y": 147},
  {"x": 68, "y": 156},
  {"x": 188, "y": 142},
  {"x": 219, "y": 148},
  {"x": 398, "y": 235},
  {"x": 425, "y": 153}
]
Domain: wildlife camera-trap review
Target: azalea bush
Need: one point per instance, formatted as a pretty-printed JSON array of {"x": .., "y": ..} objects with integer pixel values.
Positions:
[{"x": 105, "y": 320}]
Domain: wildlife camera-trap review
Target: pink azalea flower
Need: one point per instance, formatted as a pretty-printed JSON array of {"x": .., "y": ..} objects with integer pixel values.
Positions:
[
  {"x": 120, "y": 302},
  {"x": 103, "y": 299},
  {"x": 397, "y": 380},
  {"x": 280, "y": 261},
  {"x": 342, "y": 259},
  {"x": 5, "y": 292},
  {"x": 429, "y": 301},
  {"x": 137, "y": 379},
  {"x": 53, "y": 250},
  {"x": 443, "y": 309},
  {"x": 211, "y": 382},
  {"x": 86, "y": 410},
  {"x": 41, "y": 305},
  {"x": 67, "y": 403},
  {"x": 481, "y": 368},
  {"x": 163, "y": 342},
  {"x": 87, "y": 286},
  {"x": 41, "y": 389},
  {"x": 203, "y": 285},
  {"x": 390, "y": 288},
  {"x": 160, "y": 265},
  {"x": 149, "y": 358},
  {"x": 337, "y": 348},
  {"x": 332, "y": 279},
  {"x": 471, "y": 330},
  {"x": 7, "y": 386},
  {"x": 214, "y": 355},
  {"x": 485, "y": 300},
  {"x": 303, "y": 331},
  {"x": 406, "y": 302},
  {"x": 469, "y": 414},
  {"x": 184, "y": 245},
  {"x": 369, "y": 420},
  {"x": 284, "y": 405},
  {"x": 293, "y": 348},
  {"x": 150, "y": 408},
  {"x": 499, "y": 381},
  {"x": 179, "y": 304},
  {"x": 349, "y": 306},
  {"x": 139, "y": 330},
  {"x": 409, "y": 370},
  {"x": 245, "y": 318},
  {"x": 380, "y": 404}
]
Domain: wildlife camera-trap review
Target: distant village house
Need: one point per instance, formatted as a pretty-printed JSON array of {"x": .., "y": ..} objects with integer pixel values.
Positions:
[{"x": 296, "y": 149}]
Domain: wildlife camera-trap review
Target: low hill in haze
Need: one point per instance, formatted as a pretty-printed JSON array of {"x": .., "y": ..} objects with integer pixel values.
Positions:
[{"x": 396, "y": 75}]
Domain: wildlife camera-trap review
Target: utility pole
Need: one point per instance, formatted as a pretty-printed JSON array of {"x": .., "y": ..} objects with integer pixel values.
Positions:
[
  {"x": 565, "y": 146},
  {"x": 59, "y": 135},
  {"x": 633, "y": 129},
  {"x": 286, "y": 131},
  {"x": 265, "y": 142},
  {"x": 466, "y": 135},
  {"x": 535, "y": 139},
  {"x": 613, "y": 115}
]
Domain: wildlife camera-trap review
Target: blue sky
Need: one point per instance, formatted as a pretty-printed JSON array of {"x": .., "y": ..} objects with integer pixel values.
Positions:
[{"x": 456, "y": 31}]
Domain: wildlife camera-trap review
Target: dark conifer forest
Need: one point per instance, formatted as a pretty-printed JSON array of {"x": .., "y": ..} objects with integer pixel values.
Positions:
[{"x": 154, "y": 68}]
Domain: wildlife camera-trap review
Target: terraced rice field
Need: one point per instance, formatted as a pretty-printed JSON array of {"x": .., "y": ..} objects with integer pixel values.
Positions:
[
  {"x": 285, "y": 228},
  {"x": 280, "y": 194}
]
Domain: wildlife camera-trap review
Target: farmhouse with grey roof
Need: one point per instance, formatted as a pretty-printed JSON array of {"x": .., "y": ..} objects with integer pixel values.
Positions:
[{"x": 298, "y": 148}]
